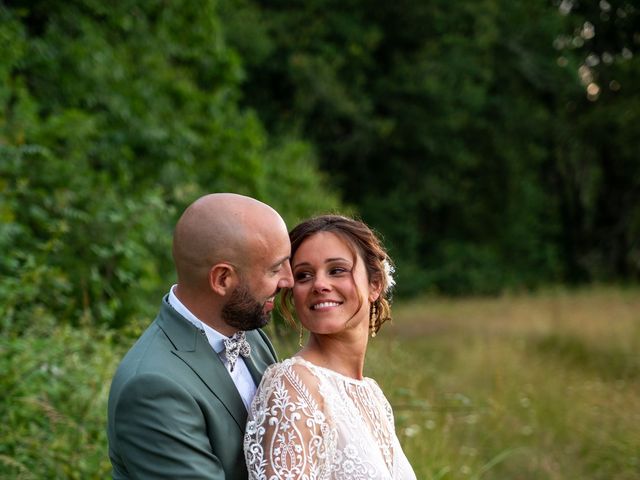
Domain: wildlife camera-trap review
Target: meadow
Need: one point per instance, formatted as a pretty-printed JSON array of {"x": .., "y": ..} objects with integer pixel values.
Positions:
[
  {"x": 517, "y": 387},
  {"x": 524, "y": 387}
]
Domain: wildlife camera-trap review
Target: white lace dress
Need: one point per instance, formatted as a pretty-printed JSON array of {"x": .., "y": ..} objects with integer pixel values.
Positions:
[{"x": 311, "y": 423}]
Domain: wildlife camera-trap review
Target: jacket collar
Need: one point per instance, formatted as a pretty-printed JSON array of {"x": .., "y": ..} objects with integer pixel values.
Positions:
[{"x": 193, "y": 348}]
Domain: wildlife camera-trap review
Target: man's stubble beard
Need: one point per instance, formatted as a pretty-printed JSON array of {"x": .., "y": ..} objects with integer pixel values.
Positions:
[{"x": 243, "y": 312}]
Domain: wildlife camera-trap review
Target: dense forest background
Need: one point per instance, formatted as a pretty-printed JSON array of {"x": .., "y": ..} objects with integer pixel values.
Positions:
[{"x": 494, "y": 144}]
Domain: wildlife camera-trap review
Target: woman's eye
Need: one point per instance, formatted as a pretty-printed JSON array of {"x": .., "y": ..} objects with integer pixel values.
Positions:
[
  {"x": 338, "y": 270},
  {"x": 301, "y": 276}
]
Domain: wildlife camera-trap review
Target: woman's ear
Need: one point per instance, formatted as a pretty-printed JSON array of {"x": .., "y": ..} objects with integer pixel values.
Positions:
[
  {"x": 223, "y": 278},
  {"x": 374, "y": 291}
]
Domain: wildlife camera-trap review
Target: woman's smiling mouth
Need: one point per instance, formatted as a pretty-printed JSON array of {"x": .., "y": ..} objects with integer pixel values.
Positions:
[{"x": 325, "y": 304}]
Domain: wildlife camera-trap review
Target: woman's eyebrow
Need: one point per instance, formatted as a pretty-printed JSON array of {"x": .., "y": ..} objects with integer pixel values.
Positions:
[{"x": 328, "y": 260}]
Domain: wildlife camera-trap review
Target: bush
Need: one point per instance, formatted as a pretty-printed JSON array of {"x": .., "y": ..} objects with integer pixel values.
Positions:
[
  {"x": 55, "y": 382},
  {"x": 112, "y": 120}
]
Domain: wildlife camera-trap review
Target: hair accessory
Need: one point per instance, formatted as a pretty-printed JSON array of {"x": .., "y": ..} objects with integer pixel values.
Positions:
[{"x": 389, "y": 270}]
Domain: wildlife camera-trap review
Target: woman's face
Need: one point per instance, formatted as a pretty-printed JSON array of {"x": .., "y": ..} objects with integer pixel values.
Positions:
[{"x": 331, "y": 291}]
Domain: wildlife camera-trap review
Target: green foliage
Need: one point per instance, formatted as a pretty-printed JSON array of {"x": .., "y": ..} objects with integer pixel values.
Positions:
[
  {"x": 533, "y": 387},
  {"x": 612, "y": 363},
  {"x": 464, "y": 132},
  {"x": 557, "y": 405},
  {"x": 75, "y": 250},
  {"x": 112, "y": 120},
  {"x": 461, "y": 130},
  {"x": 55, "y": 383}
]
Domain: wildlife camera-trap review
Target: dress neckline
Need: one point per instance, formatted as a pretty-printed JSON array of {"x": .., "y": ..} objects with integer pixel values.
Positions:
[{"x": 345, "y": 378}]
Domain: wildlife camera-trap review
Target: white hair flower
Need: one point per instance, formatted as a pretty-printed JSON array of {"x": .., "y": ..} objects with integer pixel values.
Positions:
[{"x": 388, "y": 273}]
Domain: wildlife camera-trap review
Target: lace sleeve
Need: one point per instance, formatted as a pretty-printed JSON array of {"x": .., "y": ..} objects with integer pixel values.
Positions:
[{"x": 287, "y": 435}]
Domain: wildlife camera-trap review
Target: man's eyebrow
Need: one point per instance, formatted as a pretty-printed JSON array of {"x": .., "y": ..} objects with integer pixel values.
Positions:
[{"x": 280, "y": 262}]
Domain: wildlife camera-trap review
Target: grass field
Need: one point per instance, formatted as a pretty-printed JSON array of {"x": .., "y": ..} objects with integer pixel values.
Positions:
[
  {"x": 513, "y": 388},
  {"x": 518, "y": 387}
]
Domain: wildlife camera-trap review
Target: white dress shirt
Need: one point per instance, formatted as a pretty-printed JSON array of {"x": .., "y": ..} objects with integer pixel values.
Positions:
[{"x": 240, "y": 375}]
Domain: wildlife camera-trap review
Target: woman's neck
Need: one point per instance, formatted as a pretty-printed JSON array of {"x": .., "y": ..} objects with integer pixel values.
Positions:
[{"x": 344, "y": 354}]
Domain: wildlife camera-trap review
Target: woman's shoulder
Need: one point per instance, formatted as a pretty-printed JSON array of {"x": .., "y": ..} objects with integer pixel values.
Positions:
[
  {"x": 289, "y": 380},
  {"x": 293, "y": 368}
]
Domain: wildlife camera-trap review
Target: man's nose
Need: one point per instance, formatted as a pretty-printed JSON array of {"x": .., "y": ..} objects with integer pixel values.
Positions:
[{"x": 287, "y": 278}]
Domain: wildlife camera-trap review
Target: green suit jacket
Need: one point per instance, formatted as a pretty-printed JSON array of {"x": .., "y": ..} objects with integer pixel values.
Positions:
[{"x": 174, "y": 411}]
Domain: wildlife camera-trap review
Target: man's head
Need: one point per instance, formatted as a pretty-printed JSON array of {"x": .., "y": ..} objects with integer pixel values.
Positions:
[{"x": 231, "y": 254}]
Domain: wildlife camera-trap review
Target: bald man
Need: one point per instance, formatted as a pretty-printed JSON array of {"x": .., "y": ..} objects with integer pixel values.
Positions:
[{"x": 178, "y": 401}]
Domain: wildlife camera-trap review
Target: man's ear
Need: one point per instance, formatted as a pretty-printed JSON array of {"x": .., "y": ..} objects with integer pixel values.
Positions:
[{"x": 223, "y": 278}]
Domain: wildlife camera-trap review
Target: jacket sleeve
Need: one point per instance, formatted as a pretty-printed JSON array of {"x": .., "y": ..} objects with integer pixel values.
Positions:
[{"x": 159, "y": 428}]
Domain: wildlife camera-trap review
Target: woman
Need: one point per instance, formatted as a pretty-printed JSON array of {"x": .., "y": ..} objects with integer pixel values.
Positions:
[{"x": 315, "y": 415}]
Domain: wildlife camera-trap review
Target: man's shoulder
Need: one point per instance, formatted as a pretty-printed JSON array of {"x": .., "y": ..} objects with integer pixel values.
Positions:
[
  {"x": 168, "y": 332},
  {"x": 258, "y": 336},
  {"x": 152, "y": 366},
  {"x": 260, "y": 341},
  {"x": 152, "y": 346}
]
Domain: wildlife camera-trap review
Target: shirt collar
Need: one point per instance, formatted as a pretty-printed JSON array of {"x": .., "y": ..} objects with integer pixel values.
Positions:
[{"x": 215, "y": 338}]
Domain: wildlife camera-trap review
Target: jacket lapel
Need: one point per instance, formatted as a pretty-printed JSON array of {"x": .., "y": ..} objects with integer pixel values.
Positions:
[
  {"x": 253, "y": 370},
  {"x": 192, "y": 347},
  {"x": 261, "y": 357}
]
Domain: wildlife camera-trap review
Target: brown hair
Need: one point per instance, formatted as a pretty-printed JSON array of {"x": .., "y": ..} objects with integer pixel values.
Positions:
[{"x": 360, "y": 239}]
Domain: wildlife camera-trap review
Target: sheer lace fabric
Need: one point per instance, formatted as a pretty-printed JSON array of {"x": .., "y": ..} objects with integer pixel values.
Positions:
[{"x": 311, "y": 423}]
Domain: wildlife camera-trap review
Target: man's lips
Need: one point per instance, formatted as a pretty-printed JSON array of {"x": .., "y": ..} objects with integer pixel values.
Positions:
[{"x": 269, "y": 304}]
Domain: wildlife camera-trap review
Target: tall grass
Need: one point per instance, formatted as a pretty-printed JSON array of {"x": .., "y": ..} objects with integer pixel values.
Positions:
[
  {"x": 55, "y": 384},
  {"x": 517, "y": 387}
]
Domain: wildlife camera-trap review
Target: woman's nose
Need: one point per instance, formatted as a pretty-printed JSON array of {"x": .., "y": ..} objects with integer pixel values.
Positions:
[{"x": 321, "y": 283}]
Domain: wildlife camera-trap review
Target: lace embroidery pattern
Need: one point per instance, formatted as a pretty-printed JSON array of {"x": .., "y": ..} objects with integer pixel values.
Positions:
[{"x": 310, "y": 423}]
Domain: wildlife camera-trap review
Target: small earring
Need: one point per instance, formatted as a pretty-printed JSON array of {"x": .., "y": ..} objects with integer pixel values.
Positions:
[
  {"x": 373, "y": 314},
  {"x": 300, "y": 339}
]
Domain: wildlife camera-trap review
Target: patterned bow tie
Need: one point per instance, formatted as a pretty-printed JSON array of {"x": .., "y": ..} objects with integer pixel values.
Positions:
[{"x": 234, "y": 346}]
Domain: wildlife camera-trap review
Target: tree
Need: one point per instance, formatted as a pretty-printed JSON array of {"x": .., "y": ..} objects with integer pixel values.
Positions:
[
  {"x": 112, "y": 119},
  {"x": 452, "y": 128}
]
